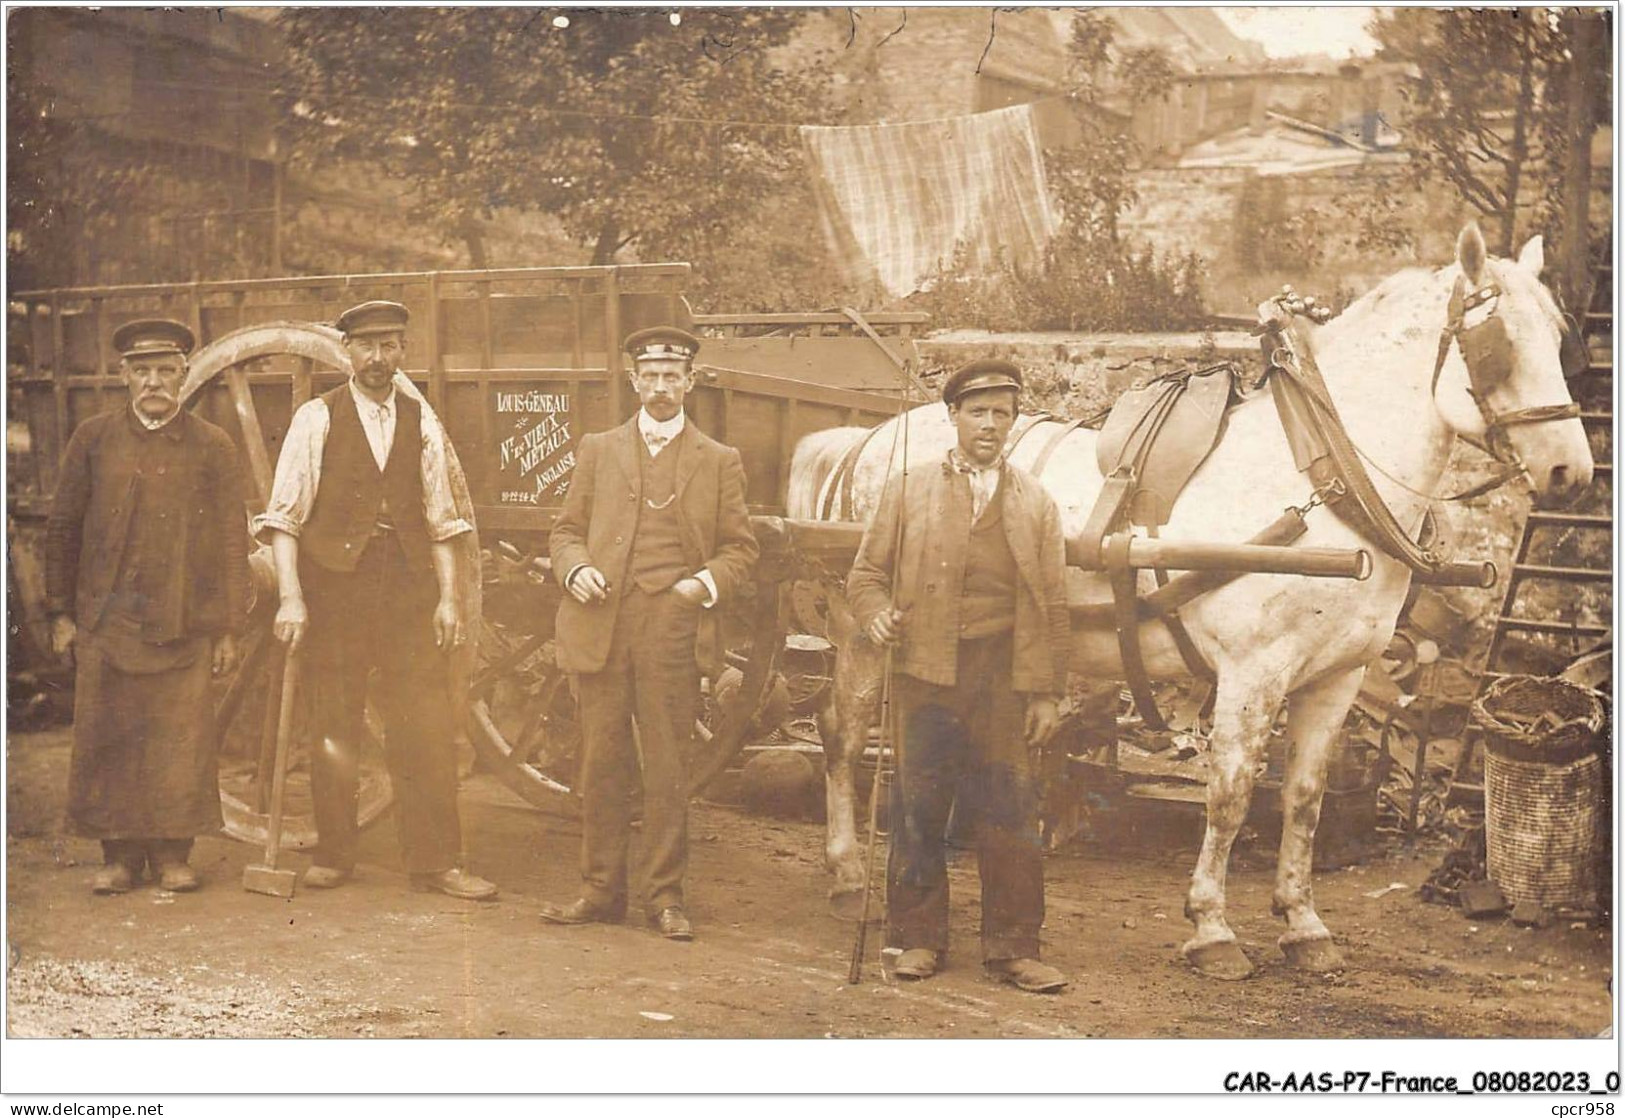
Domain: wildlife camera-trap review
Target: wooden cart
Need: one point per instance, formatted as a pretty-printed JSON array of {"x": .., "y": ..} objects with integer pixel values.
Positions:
[{"x": 519, "y": 363}]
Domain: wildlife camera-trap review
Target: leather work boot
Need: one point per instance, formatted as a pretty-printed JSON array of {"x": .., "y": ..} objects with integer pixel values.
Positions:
[
  {"x": 326, "y": 877},
  {"x": 1027, "y": 974},
  {"x": 916, "y": 963},
  {"x": 114, "y": 878},
  {"x": 178, "y": 877},
  {"x": 579, "y": 912},
  {"x": 673, "y": 923},
  {"x": 455, "y": 882}
]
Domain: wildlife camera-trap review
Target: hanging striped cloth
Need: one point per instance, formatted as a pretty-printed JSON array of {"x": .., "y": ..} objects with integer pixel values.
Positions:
[{"x": 897, "y": 200}]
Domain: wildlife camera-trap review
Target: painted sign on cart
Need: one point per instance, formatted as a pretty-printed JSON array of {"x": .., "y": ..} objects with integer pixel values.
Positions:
[{"x": 535, "y": 445}]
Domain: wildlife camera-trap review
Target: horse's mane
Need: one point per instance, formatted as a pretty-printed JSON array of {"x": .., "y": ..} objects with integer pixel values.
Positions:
[
  {"x": 1411, "y": 288},
  {"x": 1404, "y": 290}
]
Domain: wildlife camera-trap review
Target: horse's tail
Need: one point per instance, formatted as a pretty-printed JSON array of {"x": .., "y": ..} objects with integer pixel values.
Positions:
[{"x": 813, "y": 465}]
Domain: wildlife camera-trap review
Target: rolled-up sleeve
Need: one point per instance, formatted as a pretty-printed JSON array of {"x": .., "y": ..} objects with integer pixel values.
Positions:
[
  {"x": 298, "y": 472},
  {"x": 439, "y": 506}
]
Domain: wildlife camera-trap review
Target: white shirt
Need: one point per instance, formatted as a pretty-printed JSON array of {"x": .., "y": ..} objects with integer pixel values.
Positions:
[
  {"x": 657, "y": 435},
  {"x": 984, "y": 480},
  {"x": 154, "y": 424},
  {"x": 299, "y": 466},
  {"x": 377, "y": 420}
]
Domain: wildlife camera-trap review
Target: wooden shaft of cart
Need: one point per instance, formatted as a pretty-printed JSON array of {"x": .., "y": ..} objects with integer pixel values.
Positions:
[{"x": 841, "y": 539}]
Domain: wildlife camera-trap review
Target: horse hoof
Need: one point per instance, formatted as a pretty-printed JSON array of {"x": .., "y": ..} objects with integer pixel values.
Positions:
[
  {"x": 1220, "y": 960},
  {"x": 849, "y": 907},
  {"x": 1319, "y": 956}
]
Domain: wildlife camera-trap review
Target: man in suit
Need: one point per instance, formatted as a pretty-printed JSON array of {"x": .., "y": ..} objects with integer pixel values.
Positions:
[
  {"x": 146, "y": 566},
  {"x": 362, "y": 524},
  {"x": 653, "y": 534},
  {"x": 982, "y": 638}
]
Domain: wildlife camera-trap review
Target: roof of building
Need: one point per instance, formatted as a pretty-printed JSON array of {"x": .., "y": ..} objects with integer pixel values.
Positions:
[
  {"x": 1284, "y": 147},
  {"x": 1195, "y": 38}
]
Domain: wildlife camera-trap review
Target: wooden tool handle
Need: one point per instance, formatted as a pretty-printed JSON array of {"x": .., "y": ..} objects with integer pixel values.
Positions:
[{"x": 279, "y": 779}]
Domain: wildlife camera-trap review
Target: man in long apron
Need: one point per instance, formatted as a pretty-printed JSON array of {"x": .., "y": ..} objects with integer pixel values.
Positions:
[{"x": 146, "y": 567}]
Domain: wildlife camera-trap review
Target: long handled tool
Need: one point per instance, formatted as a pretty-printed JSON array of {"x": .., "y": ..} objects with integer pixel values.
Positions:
[
  {"x": 268, "y": 877},
  {"x": 854, "y": 974}
]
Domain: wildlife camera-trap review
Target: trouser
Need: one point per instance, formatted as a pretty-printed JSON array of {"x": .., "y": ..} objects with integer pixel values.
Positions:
[
  {"x": 380, "y": 617},
  {"x": 136, "y": 853},
  {"x": 967, "y": 737},
  {"x": 651, "y": 675}
]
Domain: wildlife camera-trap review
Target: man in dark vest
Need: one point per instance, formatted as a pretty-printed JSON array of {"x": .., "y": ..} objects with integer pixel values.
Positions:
[
  {"x": 146, "y": 569},
  {"x": 361, "y": 523},
  {"x": 982, "y": 634},
  {"x": 654, "y": 532}
]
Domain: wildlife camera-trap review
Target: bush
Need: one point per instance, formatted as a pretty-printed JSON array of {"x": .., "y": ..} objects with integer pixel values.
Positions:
[{"x": 1091, "y": 286}]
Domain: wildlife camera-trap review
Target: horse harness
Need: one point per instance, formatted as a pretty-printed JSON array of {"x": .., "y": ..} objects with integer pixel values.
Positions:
[
  {"x": 1486, "y": 350},
  {"x": 1321, "y": 448}
]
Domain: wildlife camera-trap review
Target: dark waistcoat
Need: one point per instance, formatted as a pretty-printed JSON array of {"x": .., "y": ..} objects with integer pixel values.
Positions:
[
  {"x": 990, "y": 575},
  {"x": 354, "y": 496},
  {"x": 657, "y": 546}
]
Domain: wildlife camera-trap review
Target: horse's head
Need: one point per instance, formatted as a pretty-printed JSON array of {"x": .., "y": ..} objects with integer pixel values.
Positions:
[{"x": 1501, "y": 383}]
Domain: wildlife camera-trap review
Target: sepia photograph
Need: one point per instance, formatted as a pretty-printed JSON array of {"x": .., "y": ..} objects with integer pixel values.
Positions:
[{"x": 1086, "y": 524}]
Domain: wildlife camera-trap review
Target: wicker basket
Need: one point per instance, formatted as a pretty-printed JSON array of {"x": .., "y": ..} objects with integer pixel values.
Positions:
[{"x": 1544, "y": 789}]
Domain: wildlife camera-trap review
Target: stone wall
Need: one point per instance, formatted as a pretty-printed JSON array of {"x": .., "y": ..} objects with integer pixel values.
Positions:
[{"x": 1198, "y": 210}]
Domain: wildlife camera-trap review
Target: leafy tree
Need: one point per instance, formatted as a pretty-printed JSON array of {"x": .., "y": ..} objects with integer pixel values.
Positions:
[
  {"x": 1489, "y": 106},
  {"x": 61, "y": 186},
  {"x": 1090, "y": 278},
  {"x": 612, "y": 119}
]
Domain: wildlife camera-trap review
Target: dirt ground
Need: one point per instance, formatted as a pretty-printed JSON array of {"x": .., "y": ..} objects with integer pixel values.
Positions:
[{"x": 377, "y": 960}]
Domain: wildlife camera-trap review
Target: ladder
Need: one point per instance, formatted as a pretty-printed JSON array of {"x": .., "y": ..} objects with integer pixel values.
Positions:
[
  {"x": 1590, "y": 525},
  {"x": 1591, "y": 519}
]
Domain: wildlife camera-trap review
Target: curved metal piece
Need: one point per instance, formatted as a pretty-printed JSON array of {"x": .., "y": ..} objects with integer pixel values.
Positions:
[
  {"x": 534, "y": 786},
  {"x": 767, "y": 638}
]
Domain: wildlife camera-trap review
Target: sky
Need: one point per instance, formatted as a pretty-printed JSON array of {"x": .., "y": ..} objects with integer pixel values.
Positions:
[{"x": 1336, "y": 31}]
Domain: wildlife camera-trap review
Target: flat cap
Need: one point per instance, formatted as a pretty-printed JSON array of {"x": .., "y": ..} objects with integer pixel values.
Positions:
[
  {"x": 379, "y": 316},
  {"x": 990, "y": 372},
  {"x": 662, "y": 342},
  {"x": 153, "y": 335}
]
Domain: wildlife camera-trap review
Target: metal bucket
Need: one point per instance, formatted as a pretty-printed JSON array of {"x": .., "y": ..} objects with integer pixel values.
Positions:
[{"x": 1544, "y": 794}]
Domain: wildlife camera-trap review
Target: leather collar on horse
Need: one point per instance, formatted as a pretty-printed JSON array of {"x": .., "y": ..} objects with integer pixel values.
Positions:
[{"x": 1322, "y": 447}]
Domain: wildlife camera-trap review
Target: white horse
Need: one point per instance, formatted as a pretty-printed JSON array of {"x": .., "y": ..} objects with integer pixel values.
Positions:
[{"x": 1271, "y": 639}]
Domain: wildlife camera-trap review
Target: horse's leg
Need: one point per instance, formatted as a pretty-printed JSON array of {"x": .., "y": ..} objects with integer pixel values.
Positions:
[
  {"x": 843, "y": 726},
  {"x": 1243, "y": 711},
  {"x": 1314, "y": 715}
]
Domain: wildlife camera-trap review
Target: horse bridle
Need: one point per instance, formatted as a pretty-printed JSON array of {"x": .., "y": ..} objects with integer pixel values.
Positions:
[{"x": 1486, "y": 350}]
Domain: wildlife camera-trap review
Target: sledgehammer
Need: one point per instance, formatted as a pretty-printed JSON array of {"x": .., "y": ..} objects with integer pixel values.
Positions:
[{"x": 267, "y": 878}]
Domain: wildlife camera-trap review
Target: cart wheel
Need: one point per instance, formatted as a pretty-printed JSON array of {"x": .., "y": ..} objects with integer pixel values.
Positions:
[
  {"x": 522, "y": 709},
  {"x": 246, "y": 702}
]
